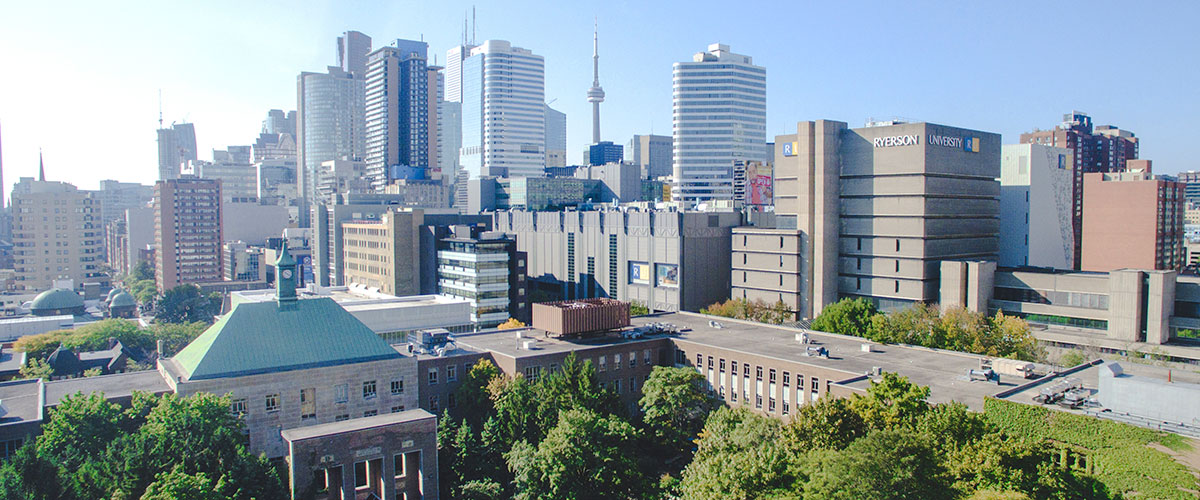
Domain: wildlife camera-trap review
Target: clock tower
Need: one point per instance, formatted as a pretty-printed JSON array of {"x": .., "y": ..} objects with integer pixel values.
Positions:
[{"x": 285, "y": 275}]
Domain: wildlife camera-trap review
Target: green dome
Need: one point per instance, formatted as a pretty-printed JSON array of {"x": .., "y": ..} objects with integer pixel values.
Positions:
[
  {"x": 112, "y": 293},
  {"x": 122, "y": 299},
  {"x": 56, "y": 299}
]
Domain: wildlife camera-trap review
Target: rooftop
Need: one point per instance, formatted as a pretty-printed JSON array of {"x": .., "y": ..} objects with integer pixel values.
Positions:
[
  {"x": 22, "y": 401},
  {"x": 349, "y": 297},
  {"x": 943, "y": 371},
  {"x": 506, "y": 343},
  {"x": 117, "y": 385},
  {"x": 355, "y": 424},
  {"x": 269, "y": 337}
]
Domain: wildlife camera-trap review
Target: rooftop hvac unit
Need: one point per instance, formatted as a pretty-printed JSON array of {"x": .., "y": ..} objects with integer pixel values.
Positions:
[
  {"x": 528, "y": 345},
  {"x": 802, "y": 338},
  {"x": 867, "y": 348}
]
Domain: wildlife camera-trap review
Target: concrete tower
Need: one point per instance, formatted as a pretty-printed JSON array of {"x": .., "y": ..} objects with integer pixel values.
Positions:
[{"x": 595, "y": 95}]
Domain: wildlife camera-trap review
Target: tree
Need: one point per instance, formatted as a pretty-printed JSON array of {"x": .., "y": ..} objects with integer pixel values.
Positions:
[
  {"x": 846, "y": 317},
  {"x": 738, "y": 456},
  {"x": 882, "y": 465},
  {"x": 510, "y": 323},
  {"x": 585, "y": 456},
  {"x": 185, "y": 304},
  {"x": 36, "y": 368},
  {"x": 178, "y": 485},
  {"x": 141, "y": 272},
  {"x": 474, "y": 401},
  {"x": 28, "y": 475},
  {"x": 638, "y": 308},
  {"x": 830, "y": 423},
  {"x": 176, "y": 336},
  {"x": 892, "y": 403},
  {"x": 675, "y": 403},
  {"x": 79, "y": 430}
]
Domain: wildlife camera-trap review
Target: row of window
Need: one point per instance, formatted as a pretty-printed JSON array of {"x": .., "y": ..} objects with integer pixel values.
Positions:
[{"x": 308, "y": 398}]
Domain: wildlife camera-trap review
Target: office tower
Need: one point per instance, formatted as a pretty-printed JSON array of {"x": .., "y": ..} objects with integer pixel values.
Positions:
[
  {"x": 57, "y": 234},
  {"x": 1035, "y": 206},
  {"x": 486, "y": 269},
  {"x": 454, "y": 71},
  {"x": 652, "y": 153},
  {"x": 187, "y": 232},
  {"x": 603, "y": 152},
  {"x": 115, "y": 197},
  {"x": 1132, "y": 220},
  {"x": 331, "y": 125},
  {"x": 352, "y": 51},
  {"x": 876, "y": 210},
  {"x": 595, "y": 95},
  {"x": 397, "y": 115},
  {"x": 278, "y": 122},
  {"x": 276, "y": 182},
  {"x": 338, "y": 177},
  {"x": 556, "y": 137},
  {"x": 433, "y": 131},
  {"x": 1102, "y": 148},
  {"x": 176, "y": 146},
  {"x": 710, "y": 133},
  {"x": 503, "y": 112},
  {"x": 239, "y": 178}
]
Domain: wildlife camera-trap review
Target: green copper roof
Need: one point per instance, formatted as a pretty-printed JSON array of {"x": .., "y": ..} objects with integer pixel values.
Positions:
[
  {"x": 268, "y": 337},
  {"x": 56, "y": 298},
  {"x": 122, "y": 299}
]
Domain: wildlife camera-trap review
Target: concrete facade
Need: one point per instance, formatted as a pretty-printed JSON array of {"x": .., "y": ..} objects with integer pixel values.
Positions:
[
  {"x": 1147, "y": 396},
  {"x": 57, "y": 234},
  {"x": 662, "y": 258},
  {"x": 382, "y": 253},
  {"x": 1132, "y": 220},
  {"x": 652, "y": 155},
  {"x": 1035, "y": 206},
  {"x": 766, "y": 266}
]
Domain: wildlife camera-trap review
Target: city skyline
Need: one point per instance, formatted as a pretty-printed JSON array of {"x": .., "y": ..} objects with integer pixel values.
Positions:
[{"x": 950, "y": 64}]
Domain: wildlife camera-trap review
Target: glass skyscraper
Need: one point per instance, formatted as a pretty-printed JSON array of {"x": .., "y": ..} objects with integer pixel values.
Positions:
[{"x": 503, "y": 112}]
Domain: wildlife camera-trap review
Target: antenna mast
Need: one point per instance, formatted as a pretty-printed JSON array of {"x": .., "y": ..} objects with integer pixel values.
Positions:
[
  {"x": 159, "y": 108},
  {"x": 472, "y": 25}
]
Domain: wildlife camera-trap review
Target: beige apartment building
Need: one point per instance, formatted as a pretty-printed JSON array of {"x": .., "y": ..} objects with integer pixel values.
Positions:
[
  {"x": 187, "y": 232},
  {"x": 57, "y": 234},
  {"x": 382, "y": 253}
]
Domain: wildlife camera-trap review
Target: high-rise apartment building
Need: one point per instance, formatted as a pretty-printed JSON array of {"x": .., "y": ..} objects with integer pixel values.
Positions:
[
  {"x": 115, "y": 197},
  {"x": 436, "y": 94},
  {"x": 176, "y": 146},
  {"x": 1102, "y": 148},
  {"x": 1132, "y": 220},
  {"x": 556, "y": 138},
  {"x": 1035, "y": 206},
  {"x": 397, "y": 113},
  {"x": 503, "y": 112},
  {"x": 330, "y": 115},
  {"x": 719, "y": 116},
  {"x": 652, "y": 153},
  {"x": 57, "y": 234},
  {"x": 187, "y": 232},
  {"x": 231, "y": 166}
]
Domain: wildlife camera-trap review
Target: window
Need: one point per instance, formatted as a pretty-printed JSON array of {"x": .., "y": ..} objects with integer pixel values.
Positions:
[
  {"x": 758, "y": 401},
  {"x": 699, "y": 360},
  {"x": 370, "y": 413},
  {"x": 308, "y": 403},
  {"x": 787, "y": 379},
  {"x": 433, "y": 376},
  {"x": 397, "y": 409},
  {"x": 272, "y": 402},
  {"x": 238, "y": 407},
  {"x": 434, "y": 401},
  {"x": 451, "y": 373},
  {"x": 360, "y": 474},
  {"x": 646, "y": 356},
  {"x": 369, "y": 389},
  {"x": 771, "y": 376},
  {"x": 603, "y": 362},
  {"x": 341, "y": 417},
  {"x": 758, "y": 373},
  {"x": 816, "y": 384},
  {"x": 616, "y": 361},
  {"x": 897, "y": 245},
  {"x": 397, "y": 387},
  {"x": 633, "y": 359},
  {"x": 532, "y": 373},
  {"x": 341, "y": 393},
  {"x": 617, "y": 386}
]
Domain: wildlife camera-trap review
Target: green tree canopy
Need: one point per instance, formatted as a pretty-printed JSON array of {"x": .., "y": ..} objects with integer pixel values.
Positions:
[
  {"x": 585, "y": 456},
  {"x": 675, "y": 403},
  {"x": 885, "y": 464},
  {"x": 846, "y": 317},
  {"x": 185, "y": 304}
]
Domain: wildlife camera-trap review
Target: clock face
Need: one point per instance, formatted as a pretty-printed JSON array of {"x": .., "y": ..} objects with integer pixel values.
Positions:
[{"x": 287, "y": 273}]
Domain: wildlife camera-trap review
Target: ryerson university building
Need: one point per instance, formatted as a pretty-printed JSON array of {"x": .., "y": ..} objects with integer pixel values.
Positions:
[{"x": 872, "y": 212}]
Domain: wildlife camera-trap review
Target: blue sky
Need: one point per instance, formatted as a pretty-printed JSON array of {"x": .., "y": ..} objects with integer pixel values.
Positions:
[{"x": 81, "y": 79}]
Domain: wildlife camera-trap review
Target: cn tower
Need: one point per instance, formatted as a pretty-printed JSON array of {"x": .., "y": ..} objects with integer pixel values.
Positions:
[{"x": 595, "y": 95}]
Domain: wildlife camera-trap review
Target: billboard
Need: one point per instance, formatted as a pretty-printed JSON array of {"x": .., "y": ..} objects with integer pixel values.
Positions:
[
  {"x": 759, "y": 184},
  {"x": 639, "y": 273},
  {"x": 667, "y": 274}
]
